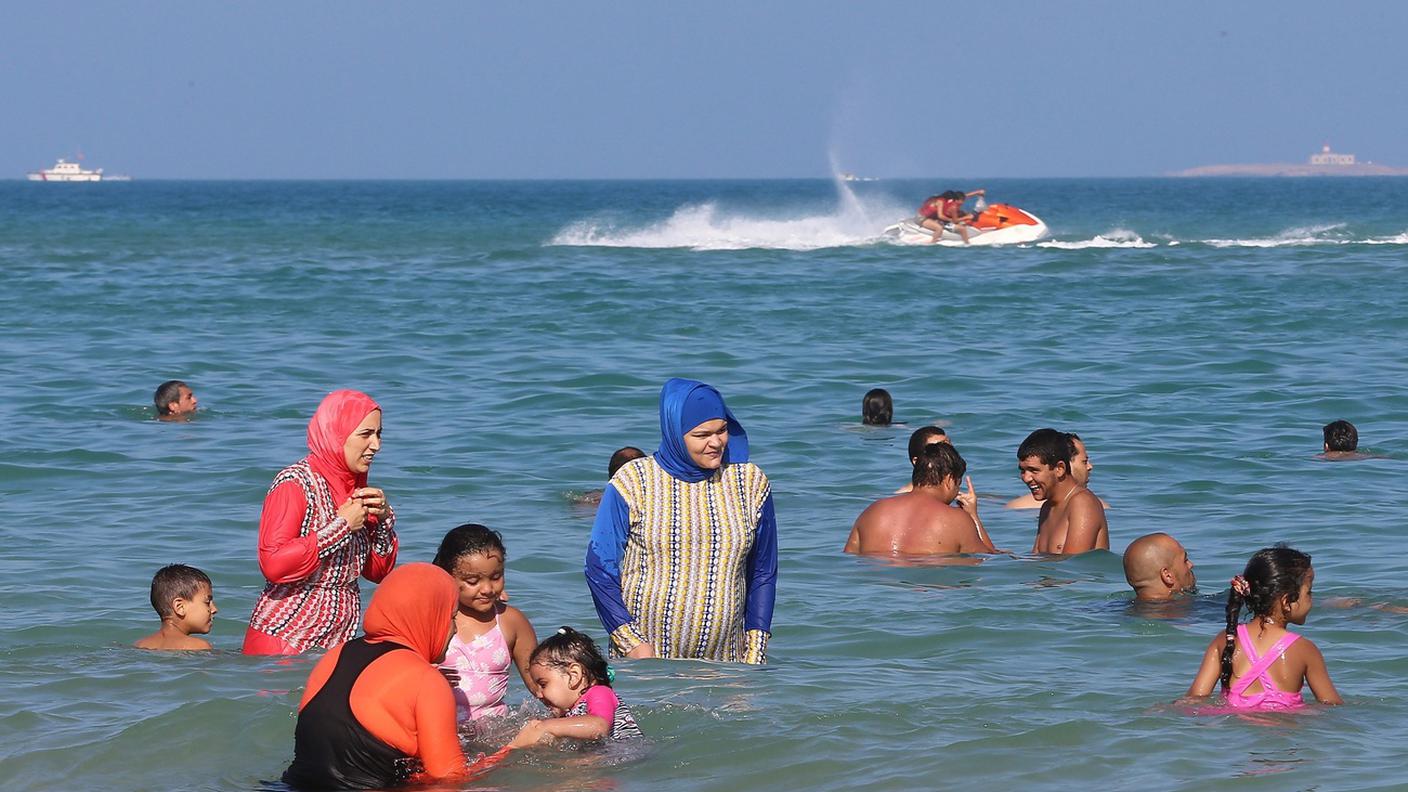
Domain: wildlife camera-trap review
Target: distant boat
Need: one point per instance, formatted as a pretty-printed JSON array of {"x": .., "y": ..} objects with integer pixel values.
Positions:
[{"x": 65, "y": 171}]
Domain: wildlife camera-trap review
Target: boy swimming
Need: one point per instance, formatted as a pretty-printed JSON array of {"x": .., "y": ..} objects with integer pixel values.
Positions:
[{"x": 184, "y": 599}]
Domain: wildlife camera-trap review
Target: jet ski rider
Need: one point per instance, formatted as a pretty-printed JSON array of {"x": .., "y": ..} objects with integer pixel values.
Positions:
[{"x": 945, "y": 210}]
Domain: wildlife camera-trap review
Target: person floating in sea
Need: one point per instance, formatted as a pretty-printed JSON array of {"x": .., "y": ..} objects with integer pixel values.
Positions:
[
  {"x": 490, "y": 635},
  {"x": 185, "y": 601},
  {"x": 574, "y": 682},
  {"x": 1157, "y": 567},
  {"x": 945, "y": 211},
  {"x": 1081, "y": 468},
  {"x": 919, "y": 439},
  {"x": 618, "y": 458},
  {"x": 1072, "y": 520},
  {"x": 1261, "y": 664},
  {"x": 682, "y": 561},
  {"x": 174, "y": 401},
  {"x": 321, "y": 529},
  {"x": 1341, "y": 441},
  {"x": 376, "y": 711},
  {"x": 921, "y": 522},
  {"x": 877, "y": 408}
]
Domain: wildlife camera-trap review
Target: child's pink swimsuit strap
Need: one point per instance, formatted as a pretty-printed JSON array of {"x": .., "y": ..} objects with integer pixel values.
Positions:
[
  {"x": 1270, "y": 698},
  {"x": 483, "y": 664}
]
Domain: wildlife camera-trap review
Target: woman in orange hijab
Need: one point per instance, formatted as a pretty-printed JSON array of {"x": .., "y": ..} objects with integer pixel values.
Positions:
[
  {"x": 322, "y": 528},
  {"x": 377, "y": 711}
]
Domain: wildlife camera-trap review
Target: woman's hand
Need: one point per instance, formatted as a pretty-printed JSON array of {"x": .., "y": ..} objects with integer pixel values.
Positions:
[
  {"x": 353, "y": 512},
  {"x": 374, "y": 501},
  {"x": 642, "y": 651}
]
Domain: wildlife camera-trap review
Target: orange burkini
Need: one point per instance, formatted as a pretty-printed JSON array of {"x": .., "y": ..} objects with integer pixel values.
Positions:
[{"x": 376, "y": 711}]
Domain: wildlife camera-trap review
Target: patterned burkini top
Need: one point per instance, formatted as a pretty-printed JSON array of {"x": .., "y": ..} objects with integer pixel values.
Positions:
[
  {"x": 322, "y": 610},
  {"x": 601, "y": 701},
  {"x": 683, "y": 568}
]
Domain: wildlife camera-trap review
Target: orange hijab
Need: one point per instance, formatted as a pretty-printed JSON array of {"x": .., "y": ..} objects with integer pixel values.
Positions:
[
  {"x": 337, "y": 416},
  {"x": 413, "y": 607}
]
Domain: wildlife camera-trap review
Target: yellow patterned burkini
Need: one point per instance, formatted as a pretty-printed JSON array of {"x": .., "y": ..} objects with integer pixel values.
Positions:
[{"x": 683, "y": 568}]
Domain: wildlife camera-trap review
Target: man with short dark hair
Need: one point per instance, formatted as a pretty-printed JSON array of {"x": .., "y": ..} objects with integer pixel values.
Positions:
[
  {"x": 1072, "y": 520},
  {"x": 174, "y": 401},
  {"x": 1341, "y": 440},
  {"x": 922, "y": 522}
]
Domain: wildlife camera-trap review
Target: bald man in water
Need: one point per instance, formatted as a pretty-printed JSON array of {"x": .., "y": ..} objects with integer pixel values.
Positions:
[{"x": 1157, "y": 568}]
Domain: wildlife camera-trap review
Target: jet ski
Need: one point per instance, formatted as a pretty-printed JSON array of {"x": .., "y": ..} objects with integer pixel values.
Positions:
[{"x": 997, "y": 224}]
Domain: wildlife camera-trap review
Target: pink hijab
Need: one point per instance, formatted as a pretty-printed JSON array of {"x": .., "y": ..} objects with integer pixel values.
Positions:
[{"x": 338, "y": 415}]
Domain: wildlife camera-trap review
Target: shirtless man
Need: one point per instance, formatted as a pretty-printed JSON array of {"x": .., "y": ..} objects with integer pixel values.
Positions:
[
  {"x": 1157, "y": 568},
  {"x": 922, "y": 522},
  {"x": 1081, "y": 467},
  {"x": 1072, "y": 520}
]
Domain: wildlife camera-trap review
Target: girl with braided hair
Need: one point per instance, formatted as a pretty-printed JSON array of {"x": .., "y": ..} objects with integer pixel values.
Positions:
[{"x": 1261, "y": 664}]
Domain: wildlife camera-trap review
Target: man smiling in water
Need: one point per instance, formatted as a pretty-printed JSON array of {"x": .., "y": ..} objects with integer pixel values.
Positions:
[{"x": 1072, "y": 520}]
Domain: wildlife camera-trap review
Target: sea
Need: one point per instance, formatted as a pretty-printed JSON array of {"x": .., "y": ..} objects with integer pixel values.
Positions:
[{"x": 1197, "y": 333}]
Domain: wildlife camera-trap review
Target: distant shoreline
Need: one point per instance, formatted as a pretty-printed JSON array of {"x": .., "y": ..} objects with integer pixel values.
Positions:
[{"x": 1295, "y": 169}]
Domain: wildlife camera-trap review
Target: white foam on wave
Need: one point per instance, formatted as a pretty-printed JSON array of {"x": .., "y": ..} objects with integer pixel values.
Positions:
[
  {"x": 707, "y": 226},
  {"x": 1114, "y": 238},
  {"x": 1299, "y": 236}
]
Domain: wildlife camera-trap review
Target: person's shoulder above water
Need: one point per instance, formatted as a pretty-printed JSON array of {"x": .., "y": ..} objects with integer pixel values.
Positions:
[{"x": 922, "y": 521}]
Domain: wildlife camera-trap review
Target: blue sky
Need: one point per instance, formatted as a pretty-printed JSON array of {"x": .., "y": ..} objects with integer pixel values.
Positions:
[{"x": 629, "y": 89}]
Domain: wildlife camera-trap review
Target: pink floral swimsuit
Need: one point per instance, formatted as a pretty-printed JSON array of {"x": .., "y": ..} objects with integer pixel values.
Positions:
[{"x": 483, "y": 665}]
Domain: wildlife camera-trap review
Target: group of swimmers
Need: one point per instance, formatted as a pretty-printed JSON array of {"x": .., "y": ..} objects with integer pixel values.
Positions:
[
  {"x": 1275, "y": 587},
  {"x": 452, "y": 619}
]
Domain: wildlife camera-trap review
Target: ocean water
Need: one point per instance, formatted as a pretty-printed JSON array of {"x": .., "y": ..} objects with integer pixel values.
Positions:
[{"x": 1197, "y": 333}]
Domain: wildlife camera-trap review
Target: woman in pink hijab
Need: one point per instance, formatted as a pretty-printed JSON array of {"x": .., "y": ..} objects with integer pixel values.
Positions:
[{"x": 321, "y": 529}]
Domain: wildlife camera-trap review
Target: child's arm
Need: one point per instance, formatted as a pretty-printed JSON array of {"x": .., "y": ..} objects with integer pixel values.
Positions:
[
  {"x": 1211, "y": 670},
  {"x": 522, "y": 640},
  {"x": 1318, "y": 676},
  {"x": 579, "y": 727}
]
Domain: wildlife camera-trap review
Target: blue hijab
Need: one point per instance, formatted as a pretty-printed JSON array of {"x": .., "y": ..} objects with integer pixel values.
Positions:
[{"x": 684, "y": 404}]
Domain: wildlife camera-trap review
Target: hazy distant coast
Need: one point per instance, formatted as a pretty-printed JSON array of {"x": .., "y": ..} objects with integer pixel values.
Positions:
[{"x": 1293, "y": 169}]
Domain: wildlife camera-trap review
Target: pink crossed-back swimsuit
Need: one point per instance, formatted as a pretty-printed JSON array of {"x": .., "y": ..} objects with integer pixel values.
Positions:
[
  {"x": 483, "y": 665},
  {"x": 1270, "y": 698}
]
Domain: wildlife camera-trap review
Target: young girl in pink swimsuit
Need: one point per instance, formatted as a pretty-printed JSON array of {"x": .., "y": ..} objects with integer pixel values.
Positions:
[
  {"x": 1261, "y": 664},
  {"x": 490, "y": 636}
]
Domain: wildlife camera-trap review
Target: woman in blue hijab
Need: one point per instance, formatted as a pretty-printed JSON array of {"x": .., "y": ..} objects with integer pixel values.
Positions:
[{"x": 683, "y": 555}]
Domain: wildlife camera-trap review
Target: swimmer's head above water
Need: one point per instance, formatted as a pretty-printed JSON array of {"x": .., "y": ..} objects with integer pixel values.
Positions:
[{"x": 1157, "y": 567}]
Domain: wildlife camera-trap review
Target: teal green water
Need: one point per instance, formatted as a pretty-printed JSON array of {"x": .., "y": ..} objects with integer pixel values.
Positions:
[{"x": 1196, "y": 333}]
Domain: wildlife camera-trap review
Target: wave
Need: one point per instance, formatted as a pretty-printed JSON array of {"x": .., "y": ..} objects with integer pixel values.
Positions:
[
  {"x": 706, "y": 226},
  {"x": 1114, "y": 238}
]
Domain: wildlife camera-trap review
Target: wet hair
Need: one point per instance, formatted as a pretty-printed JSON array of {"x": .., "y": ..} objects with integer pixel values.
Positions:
[
  {"x": 167, "y": 392},
  {"x": 176, "y": 581},
  {"x": 1272, "y": 573},
  {"x": 922, "y": 437},
  {"x": 952, "y": 194},
  {"x": 1341, "y": 436},
  {"x": 621, "y": 457},
  {"x": 937, "y": 462},
  {"x": 1048, "y": 445},
  {"x": 877, "y": 408},
  {"x": 567, "y": 646},
  {"x": 465, "y": 540}
]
